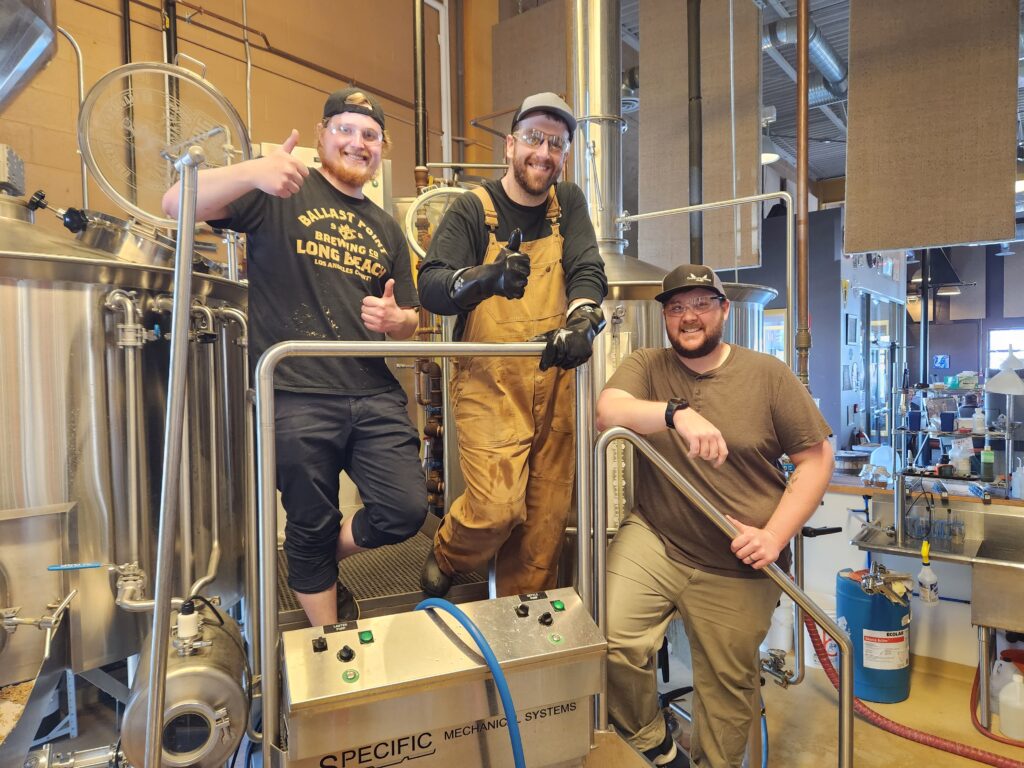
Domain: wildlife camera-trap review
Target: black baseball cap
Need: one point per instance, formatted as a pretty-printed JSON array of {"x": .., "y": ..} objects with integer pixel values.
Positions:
[
  {"x": 545, "y": 102},
  {"x": 690, "y": 276},
  {"x": 338, "y": 102}
]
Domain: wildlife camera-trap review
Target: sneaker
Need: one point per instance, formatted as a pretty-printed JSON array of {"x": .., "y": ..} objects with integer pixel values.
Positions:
[
  {"x": 433, "y": 580},
  {"x": 667, "y": 754},
  {"x": 348, "y": 607}
]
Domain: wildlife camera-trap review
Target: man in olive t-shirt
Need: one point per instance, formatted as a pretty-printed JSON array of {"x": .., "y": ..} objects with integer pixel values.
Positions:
[{"x": 722, "y": 415}]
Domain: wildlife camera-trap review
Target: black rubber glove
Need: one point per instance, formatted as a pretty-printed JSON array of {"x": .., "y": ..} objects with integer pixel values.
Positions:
[
  {"x": 572, "y": 344},
  {"x": 506, "y": 276}
]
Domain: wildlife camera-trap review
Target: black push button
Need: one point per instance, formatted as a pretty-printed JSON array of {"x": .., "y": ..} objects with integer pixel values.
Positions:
[
  {"x": 319, "y": 644},
  {"x": 346, "y": 654},
  {"x": 523, "y": 610},
  {"x": 546, "y": 619}
]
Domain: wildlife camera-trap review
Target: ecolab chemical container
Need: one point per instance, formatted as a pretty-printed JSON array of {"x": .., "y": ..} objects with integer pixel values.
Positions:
[{"x": 880, "y": 631}]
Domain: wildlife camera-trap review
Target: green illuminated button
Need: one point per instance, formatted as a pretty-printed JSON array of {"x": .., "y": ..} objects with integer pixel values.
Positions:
[
  {"x": 365, "y": 637},
  {"x": 558, "y": 605},
  {"x": 349, "y": 675}
]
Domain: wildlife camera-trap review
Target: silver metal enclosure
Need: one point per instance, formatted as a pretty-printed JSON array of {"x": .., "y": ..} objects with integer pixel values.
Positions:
[
  {"x": 418, "y": 690},
  {"x": 745, "y": 326},
  {"x": 82, "y": 393}
]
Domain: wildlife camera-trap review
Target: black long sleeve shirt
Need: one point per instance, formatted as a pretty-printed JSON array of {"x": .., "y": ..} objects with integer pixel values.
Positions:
[{"x": 461, "y": 241}]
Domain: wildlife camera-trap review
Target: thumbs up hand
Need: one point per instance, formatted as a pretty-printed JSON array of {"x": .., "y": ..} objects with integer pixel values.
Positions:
[
  {"x": 383, "y": 315},
  {"x": 279, "y": 173}
]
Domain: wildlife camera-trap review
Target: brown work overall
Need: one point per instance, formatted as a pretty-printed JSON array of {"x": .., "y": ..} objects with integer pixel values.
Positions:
[{"x": 515, "y": 427}]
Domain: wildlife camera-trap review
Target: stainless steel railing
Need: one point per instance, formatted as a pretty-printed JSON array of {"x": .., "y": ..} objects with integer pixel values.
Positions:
[{"x": 799, "y": 597}]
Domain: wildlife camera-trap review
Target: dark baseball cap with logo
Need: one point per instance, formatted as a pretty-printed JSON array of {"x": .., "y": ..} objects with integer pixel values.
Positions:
[
  {"x": 690, "y": 276},
  {"x": 338, "y": 102},
  {"x": 545, "y": 102}
]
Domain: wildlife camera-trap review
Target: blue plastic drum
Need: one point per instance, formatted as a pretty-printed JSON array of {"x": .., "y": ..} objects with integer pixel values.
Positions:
[{"x": 880, "y": 631}]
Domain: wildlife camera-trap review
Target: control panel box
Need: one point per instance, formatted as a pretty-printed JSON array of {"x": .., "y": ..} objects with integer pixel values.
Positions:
[{"x": 414, "y": 687}]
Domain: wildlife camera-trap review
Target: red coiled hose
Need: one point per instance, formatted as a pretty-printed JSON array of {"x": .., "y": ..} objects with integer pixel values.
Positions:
[{"x": 904, "y": 731}]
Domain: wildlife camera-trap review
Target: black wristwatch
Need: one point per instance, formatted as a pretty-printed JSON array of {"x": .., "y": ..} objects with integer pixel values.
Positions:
[{"x": 675, "y": 404}]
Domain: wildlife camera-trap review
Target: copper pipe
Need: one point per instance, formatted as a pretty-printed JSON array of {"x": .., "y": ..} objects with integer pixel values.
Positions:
[
  {"x": 803, "y": 332},
  {"x": 419, "y": 69},
  {"x": 696, "y": 131}
]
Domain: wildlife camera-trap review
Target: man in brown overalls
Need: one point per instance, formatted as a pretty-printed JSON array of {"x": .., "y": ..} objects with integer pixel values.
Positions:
[{"x": 515, "y": 419}]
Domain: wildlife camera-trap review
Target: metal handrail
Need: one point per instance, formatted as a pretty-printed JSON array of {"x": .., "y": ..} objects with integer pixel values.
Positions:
[
  {"x": 600, "y": 607},
  {"x": 787, "y": 200},
  {"x": 267, "y": 461}
]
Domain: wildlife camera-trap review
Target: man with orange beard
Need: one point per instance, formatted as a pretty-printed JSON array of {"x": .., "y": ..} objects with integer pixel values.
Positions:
[
  {"x": 326, "y": 263},
  {"x": 515, "y": 419}
]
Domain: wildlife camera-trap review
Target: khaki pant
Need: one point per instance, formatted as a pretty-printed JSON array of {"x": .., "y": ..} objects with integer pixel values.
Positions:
[{"x": 725, "y": 618}]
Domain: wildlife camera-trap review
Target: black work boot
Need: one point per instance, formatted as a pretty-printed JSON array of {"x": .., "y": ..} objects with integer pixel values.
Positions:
[
  {"x": 667, "y": 754},
  {"x": 348, "y": 608},
  {"x": 433, "y": 580}
]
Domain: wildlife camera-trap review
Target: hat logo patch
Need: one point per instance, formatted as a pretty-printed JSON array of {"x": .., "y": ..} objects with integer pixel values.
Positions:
[{"x": 695, "y": 279}]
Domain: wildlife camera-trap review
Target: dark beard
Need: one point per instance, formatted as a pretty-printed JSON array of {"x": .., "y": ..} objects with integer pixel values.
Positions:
[
  {"x": 520, "y": 172},
  {"x": 712, "y": 338}
]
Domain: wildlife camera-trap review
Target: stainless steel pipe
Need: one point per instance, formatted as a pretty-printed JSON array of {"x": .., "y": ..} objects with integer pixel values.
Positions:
[
  {"x": 787, "y": 200},
  {"x": 251, "y": 574},
  {"x": 597, "y": 159},
  {"x": 130, "y": 340},
  {"x": 845, "y": 756},
  {"x": 188, "y": 166},
  {"x": 266, "y": 476},
  {"x": 213, "y": 561}
]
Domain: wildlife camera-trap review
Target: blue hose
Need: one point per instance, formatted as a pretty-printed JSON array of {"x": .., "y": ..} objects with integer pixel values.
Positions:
[{"x": 496, "y": 672}]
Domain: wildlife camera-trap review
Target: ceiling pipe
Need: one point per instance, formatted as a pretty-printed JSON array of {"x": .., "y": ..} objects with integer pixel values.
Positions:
[
  {"x": 830, "y": 86},
  {"x": 803, "y": 332}
]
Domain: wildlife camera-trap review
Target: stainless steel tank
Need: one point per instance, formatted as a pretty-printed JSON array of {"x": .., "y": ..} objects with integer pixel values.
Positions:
[
  {"x": 83, "y": 373},
  {"x": 206, "y": 709},
  {"x": 634, "y": 321},
  {"x": 745, "y": 326}
]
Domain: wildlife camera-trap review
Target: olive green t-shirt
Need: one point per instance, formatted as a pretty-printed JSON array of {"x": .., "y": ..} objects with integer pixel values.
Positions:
[{"x": 762, "y": 411}]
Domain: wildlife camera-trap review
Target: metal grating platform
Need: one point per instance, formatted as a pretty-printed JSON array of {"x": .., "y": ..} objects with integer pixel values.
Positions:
[{"x": 384, "y": 580}]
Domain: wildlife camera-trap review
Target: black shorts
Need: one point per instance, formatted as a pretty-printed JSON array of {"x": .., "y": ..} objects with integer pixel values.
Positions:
[{"x": 370, "y": 438}]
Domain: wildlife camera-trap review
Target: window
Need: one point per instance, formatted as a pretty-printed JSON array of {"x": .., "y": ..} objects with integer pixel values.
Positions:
[{"x": 999, "y": 343}]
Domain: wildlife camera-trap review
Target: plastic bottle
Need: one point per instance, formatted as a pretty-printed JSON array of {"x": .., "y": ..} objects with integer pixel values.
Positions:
[
  {"x": 1011, "y": 708},
  {"x": 961, "y": 458},
  {"x": 927, "y": 581},
  {"x": 978, "y": 425},
  {"x": 988, "y": 464}
]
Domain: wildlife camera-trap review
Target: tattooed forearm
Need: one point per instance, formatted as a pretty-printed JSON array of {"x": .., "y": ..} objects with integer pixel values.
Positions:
[{"x": 792, "y": 479}]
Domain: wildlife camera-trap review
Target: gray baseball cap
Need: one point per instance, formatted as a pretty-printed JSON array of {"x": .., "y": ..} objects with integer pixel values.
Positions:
[
  {"x": 545, "y": 102},
  {"x": 690, "y": 276}
]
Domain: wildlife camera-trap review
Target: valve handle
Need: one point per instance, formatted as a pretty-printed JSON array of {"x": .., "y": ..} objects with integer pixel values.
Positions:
[{"x": 73, "y": 566}]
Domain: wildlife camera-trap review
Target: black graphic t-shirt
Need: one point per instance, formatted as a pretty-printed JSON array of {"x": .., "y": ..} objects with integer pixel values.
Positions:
[{"x": 312, "y": 259}]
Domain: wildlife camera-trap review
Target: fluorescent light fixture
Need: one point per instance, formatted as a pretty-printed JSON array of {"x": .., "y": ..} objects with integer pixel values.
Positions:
[{"x": 769, "y": 152}]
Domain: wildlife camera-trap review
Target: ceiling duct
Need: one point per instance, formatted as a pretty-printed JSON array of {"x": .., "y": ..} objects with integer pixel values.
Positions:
[
  {"x": 28, "y": 30},
  {"x": 830, "y": 85},
  {"x": 630, "y": 90}
]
